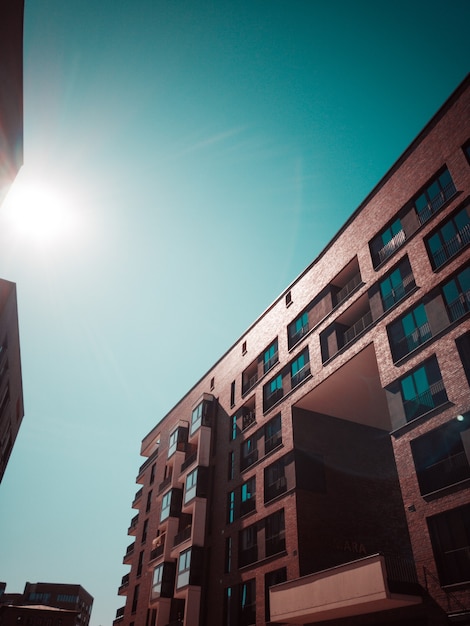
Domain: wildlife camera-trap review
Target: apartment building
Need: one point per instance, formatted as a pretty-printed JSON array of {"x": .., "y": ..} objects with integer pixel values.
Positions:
[
  {"x": 50, "y": 604},
  {"x": 319, "y": 472}
]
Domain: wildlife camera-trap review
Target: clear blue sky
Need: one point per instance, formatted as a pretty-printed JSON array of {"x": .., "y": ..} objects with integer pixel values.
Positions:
[{"x": 208, "y": 151}]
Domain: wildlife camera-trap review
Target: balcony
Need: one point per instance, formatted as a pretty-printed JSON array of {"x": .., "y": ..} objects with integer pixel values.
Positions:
[
  {"x": 183, "y": 535},
  {"x": 299, "y": 376},
  {"x": 345, "y": 291},
  {"x": 120, "y": 613},
  {"x": 389, "y": 248},
  {"x": 137, "y": 498},
  {"x": 445, "y": 472},
  {"x": 451, "y": 247},
  {"x": 434, "y": 204},
  {"x": 124, "y": 584},
  {"x": 189, "y": 460},
  {"x": 412, "y": 341},
  {"x": 357, "y": 328},
  {"x": 426, "y": 401},
  {"x": 148, "y": 462},
  {"x": 275, "y": 489},
  {"x": 129, "y": 552},
  {"x": 248, "y": 460},
  {"x": 369, "y": 585},
  {"x": 399, "y": 292},
  {"x": 459, "y": 307},
  {"x": 164, "y": 484},
  {"x": 133, "y": 524}
]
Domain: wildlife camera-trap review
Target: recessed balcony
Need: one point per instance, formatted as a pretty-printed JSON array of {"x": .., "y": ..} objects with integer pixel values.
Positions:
[{"x": 368, "y": 585}]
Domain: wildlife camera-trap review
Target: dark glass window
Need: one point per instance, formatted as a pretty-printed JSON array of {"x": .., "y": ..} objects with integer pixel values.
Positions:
[
  {"x": 248, "y": 452},
  {"x": 248, "y": 496},
  {"x": 248, "y": 603},
  {"x": 450, "y": 537},
  {"x": 274, "y": 480},
  {"x": 452, "y": 236},
  {"x": 409, "y": 332},
  {"x": 422, "y": 390},
  {"x": 440, "y": 456},
  {"x": 270, "y": 357},
  {"x": 272, "y": 434},
  {"x": 457, "y": 295},
  {"x": 396, "y": 285},
  {"x": 275, "y": 533},
  {"x": 300, "y": 368},
  {"x": 440, "y": 189},
  {"x": 273, "y": 392},
  {"x": 248, "y": 545},
  {"x": 387, "y": 241},
  {"x": 297, "y": 329}
]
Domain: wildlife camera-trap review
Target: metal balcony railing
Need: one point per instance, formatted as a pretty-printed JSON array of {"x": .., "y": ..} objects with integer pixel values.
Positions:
[
  {"x": 452, "y": 246},
  {"x": 389, "y": 248},
  {"x": 436, "y": 202},
  {"x": 301, "y": 375},
  {"x": 399, "y": 292},
  {"x": 424, "y": 402},
  {"x": 459, "y": 306},
  {"x": 348, "y": 288},
  {"x": 357, "y": 328}
]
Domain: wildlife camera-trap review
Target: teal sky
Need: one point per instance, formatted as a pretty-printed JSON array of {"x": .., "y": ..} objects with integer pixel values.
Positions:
[{"x": 207, "y": 151}]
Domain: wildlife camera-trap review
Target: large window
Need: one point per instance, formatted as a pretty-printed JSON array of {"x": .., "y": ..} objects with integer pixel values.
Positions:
[
  {"x": 272, "y": 434},
  {"x": 157, "y": 581},
  {"x": 457, "y": 295},
  {"x": 191, "y": 486},
  {"x": 249, "y": 452},
  {"x": 434, "y": 195},
  {"x": 422, "y": 390},
  {"x": 184, "y": 564},
  {"x": 196, "y": 417},
  {"x": 248, "y": 546},
  {"x": 409, "y": 332},
  {"x": 297, "y": 329},
  {"x": 270, "y": 357},
  {"x": 451, "y": 237},
  {"x": 450, "y": 536},
  {"x": 248, "y": 496},
  {"x": 441, "y": 456},
  {"x": 166, "y": 504},
  {"x": 396, "y": 284},
  {"x": 273, "y": 392},
  {"x": 274, "y": 480},
  {"x": 300, "y": 369},
  {"x": 275, "y": 533}
]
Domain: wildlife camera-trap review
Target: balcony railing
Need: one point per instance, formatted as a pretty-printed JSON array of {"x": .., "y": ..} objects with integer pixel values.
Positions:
[
  {"x": 275, "y": 489},
  {"x": 130, "y": 549},
  {"x": 183, "y": 535},
  {"x": 424, "y": 402},
  {"x": 452, "y": 246},
  {"x": 408, "y": 343},
  {"x": 249, "y": 382},
  {"x": 138, "y": 495},
  {"x": 146, "y": 463},
  {"x": 120, "y": 612},
  {"x": 399, "y": 292},
  {"x": 435, "y": 203},
  {"x": 390, "y": 247},
  {"x": 190, "y": 459},
  {"x": 271, "y": 362},
  {"x": 275, "y": 544},
  {"x": 296, "y": 336},
  {"x": 248, "y": 418},
  {"x": 272, "y": 397},
  {"x": 348, "y": 288},
  {"x": 459, "y": 307},
  {"x": 134, "y": 522},
  {"x": 357, "y": 328},
  {"x": 164, "y": 484}
]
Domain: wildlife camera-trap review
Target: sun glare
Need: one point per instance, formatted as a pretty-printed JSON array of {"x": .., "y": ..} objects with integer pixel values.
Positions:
[{"x": 39, "y": 211}]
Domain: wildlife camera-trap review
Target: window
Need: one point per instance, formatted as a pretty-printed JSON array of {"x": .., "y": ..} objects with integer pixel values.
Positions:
[
  {"x": 396, "y": 285},
  {"x": 140, "y": 563},
  {"x": 272, "y": 434},
  {"x": 273, "y": 392},
  {"x": 300, "y": 369},
  {"x": 232, "y": 394},
  {"x": 166, "y": 503},
  {"x": 450, "y": 537},
  {"x": 297, "y": 329},
  {"x": 212, "y": 385},
  {"x": 386, "y": 242},
  {"x": 422, "y": 390},
  {"x": 229, "y": 608},
  {"x": 69, "y": 598},
  {"x": 149, "y": 501},
  {"x": 288, "y": 298},
  {"x": 248, "y": 496},
  {"x": 191, "y": 486},
  {"x": 248, "y": 545},
  {"x": 230, "y": 507},
  {"x": 275, "y": 482},
  {"x": 452, "y": 236},
  {"x": 152, "y": 473},
  {"x": 157, "y": 581},
  {"x": 457, "y": 295},
  {"x": 233, "y": 428},
  {"x": 270, "y": 357},
  {"x": 275, "y": 533},
  {"x": 196, "y": 418},
  {"x": 466, "y": 150},
  {"x": 228, "y": 555},
  {"x": 184, "y": 565},
  {"x": 144, "y": 531},
  {"x": 248, "y": 452},
  {"x": 271, "y": 579},
  {"x": 440, "y": 456},
  {"x": 231, "y": 465},
  {"x": 248, "y": 603},
  {"x": 135, "y": 599},
  {"x": 434, "y": 195},
  {"x": 244, "y": 347},
  {"x": 409, "y": 332}
]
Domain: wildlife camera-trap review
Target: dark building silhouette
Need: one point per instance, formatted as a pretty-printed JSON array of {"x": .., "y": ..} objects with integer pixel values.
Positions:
[
  {"x": 11, "y": 92},
  {"x": 319, "y": 472}
]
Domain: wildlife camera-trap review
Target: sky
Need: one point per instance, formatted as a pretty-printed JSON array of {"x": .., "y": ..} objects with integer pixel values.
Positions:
[{"x": 184, "y": 161}]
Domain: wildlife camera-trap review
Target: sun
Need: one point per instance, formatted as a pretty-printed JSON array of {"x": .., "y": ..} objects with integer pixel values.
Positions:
[{"x": 39, "y": 210}]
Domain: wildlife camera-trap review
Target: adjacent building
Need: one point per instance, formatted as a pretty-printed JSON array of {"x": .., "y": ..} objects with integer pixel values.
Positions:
[
  {"x": 50, "y": 604},
  {"x": 319, "y": 472}
]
